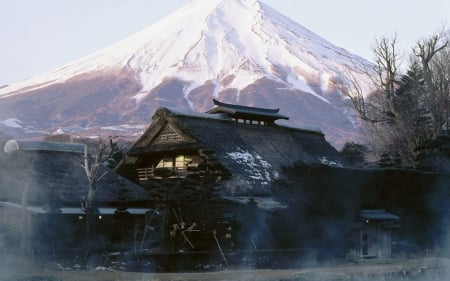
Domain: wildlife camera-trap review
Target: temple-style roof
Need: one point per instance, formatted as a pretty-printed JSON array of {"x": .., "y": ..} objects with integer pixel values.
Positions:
[{"x": 247, "y": 113}]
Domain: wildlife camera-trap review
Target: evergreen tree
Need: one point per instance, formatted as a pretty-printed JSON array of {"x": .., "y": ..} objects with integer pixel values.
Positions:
[
  {"x": 412, "y": 120},
  {"x": 354, "y": 153}
]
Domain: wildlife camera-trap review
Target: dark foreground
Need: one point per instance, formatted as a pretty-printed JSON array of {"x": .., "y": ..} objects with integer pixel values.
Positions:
[{"x": 429, "y": 269}]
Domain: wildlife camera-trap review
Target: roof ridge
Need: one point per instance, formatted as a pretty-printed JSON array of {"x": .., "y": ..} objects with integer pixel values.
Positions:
[{"x": 268, "y": 110}]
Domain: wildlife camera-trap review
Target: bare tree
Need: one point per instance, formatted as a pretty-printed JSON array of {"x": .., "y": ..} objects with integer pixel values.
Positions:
[
  {"x": 98, "y": 164},
  {"x": 432, "y": 52},
  {"x": 387, "y": 66},
  {"x": 402, "y": 114},
  {"x": 441, "y": 80},
  {"x": 95, "y": 168},
  {"x": 368, "y": 108},
  {"x": 377, "y": 109},
  {"x": 379, "y": 106}
]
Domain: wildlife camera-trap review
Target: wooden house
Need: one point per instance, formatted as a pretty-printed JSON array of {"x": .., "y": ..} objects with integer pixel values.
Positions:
[
  {"x": 242, "y": 146},
  {"x": 42, "y": 185},
  {"x": 201, "y": 181},
  {"x": 230, "y": 155},
  {"x": 53, "y": 173}
]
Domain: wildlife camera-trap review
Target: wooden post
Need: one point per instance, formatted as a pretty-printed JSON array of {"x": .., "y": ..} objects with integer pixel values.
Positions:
[{"x": 220, "y": 248}]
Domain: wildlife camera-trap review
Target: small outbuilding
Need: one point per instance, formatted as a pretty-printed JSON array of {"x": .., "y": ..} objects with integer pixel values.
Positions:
[{"x": 372, "y": 235}]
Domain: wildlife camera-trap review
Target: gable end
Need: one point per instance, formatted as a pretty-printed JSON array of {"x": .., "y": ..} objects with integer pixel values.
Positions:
[{"x": 168, "y": 135}]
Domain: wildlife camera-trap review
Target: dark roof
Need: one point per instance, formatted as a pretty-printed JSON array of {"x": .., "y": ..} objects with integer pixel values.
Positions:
[
  {"x": 58, "y": 175},
  {"x": 377, "y": 215},
  {"x": 265, "y": 203},
  {"x": 253, "y": 154},
  {"x": 16, "y": 145},
  {"x": 238, "y": 111},
  {"x": 73, "y": 210}
]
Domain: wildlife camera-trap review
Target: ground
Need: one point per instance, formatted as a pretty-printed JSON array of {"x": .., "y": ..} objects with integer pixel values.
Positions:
[{"x": 13, "y": 268}]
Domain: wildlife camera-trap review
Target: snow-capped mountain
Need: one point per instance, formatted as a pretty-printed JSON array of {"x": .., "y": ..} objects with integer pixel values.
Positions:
[{"x": 237, "y": 51}]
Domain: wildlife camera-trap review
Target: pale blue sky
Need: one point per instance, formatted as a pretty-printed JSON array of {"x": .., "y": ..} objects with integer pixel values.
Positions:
[{"x": 37, "y": 36}]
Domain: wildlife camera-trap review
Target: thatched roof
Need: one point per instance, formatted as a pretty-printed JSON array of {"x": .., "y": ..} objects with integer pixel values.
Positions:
[
  {"x": 57, "y": 175},
  {"x": 253, "y": 154}
]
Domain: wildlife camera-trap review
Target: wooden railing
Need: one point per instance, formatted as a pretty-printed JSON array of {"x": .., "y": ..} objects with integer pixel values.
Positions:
[{"x": 145, "y": 174}]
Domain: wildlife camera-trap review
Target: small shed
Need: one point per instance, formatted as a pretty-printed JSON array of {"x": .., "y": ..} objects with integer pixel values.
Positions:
[{"x": 372, "y": 235}]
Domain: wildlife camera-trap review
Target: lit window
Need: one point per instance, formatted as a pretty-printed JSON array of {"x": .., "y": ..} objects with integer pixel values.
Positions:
[
  {"x": 166, "y": 162},
  {"x": 182, "y": 161},
  {"x": 179, "y": 161}
]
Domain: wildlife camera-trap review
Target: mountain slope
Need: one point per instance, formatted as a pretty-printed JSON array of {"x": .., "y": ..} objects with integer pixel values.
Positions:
[{"x": 238, "y": 51}]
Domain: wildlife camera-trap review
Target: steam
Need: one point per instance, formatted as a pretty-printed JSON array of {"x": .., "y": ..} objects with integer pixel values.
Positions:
[
  {"x": 17, "y": 183},
  {"x": 317, "y": 222},
  {"x": 437, "y": 204}
]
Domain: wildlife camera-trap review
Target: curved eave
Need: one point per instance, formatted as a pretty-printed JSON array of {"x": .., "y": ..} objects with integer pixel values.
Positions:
[
  {"x": 248, "y": 114},
  {"x": 244, "y": 108}
]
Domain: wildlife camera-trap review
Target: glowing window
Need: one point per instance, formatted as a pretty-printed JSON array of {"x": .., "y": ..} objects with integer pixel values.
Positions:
[
  {"x": 179, "y": 161},
  {"x": 166, "y": 162},
  {"x": 182, "y": 160}
]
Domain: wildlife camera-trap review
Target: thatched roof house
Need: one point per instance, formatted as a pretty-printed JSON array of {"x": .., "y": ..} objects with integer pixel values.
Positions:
[
  {"x": 243, "y": 145},
  {"x": 52, "y": 174}
]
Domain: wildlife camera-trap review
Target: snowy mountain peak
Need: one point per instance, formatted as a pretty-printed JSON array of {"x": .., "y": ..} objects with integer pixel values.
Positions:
[
  {"x": 238, "y": 51},
  {"x": 213, "y": 39}
]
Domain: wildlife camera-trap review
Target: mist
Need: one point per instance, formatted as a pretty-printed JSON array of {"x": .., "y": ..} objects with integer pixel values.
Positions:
[{"x": 321, "y": 207}]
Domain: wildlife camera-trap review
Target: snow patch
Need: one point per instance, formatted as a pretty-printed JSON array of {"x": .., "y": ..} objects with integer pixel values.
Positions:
[
  {"x": 257, "y": 168},
  {"x": 12, "y": 123},
  {"x": 217, "y": 88},
  {"x": 299, "y": 82},
  {"x": 139, "y": 97},
  {"x": 333, "y": 163},
  {"x": 186, "y": 91},
  {"x": 59, "y": 131},
  {"x": 325, "y": 81}
]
